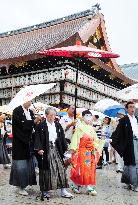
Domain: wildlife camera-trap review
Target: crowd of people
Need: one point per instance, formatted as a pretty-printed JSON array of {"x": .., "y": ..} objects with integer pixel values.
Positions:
[{"x": 54, "y": 145}]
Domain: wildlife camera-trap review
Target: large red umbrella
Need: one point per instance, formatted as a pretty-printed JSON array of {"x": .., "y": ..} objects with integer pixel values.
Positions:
[{"x": 78, "y": 51}]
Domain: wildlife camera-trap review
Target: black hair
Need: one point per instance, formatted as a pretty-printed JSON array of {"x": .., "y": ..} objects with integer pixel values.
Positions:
[
  {"x": 129, "y": 103},
  {"x": 69, "y": 106},
  {"x": 96, "y": 116},
  {"x": 109, "y": 120},
  {"x": 86, "y": 112}
]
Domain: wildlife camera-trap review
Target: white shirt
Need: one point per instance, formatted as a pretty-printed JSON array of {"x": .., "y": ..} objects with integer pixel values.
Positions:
[
  {"x": 52, "y": 131},
  {"x": 27, "y": 113},
  {"x": 65, "y": 120},
  {"x": 134, "y": 125},
  {"x": 3, "y": 131}
]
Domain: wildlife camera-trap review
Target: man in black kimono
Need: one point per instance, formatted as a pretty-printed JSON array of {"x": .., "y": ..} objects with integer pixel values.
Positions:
[
  {"x": 51, "y": 144},
  {"x": 125, "y": 142},
  {"x": 22, "y": 170}
]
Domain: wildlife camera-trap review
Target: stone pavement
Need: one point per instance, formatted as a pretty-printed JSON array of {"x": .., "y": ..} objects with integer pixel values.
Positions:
[{"x": 110, "y": 192}]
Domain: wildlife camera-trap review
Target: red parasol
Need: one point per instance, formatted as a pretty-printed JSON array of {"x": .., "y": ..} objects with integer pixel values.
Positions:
[{"x": 78, "y": 51}]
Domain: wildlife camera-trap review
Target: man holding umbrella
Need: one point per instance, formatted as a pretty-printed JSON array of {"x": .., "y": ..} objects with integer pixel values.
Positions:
[
  {"x": 23, "y": 123},
  {"x": 22, "y": 170}
]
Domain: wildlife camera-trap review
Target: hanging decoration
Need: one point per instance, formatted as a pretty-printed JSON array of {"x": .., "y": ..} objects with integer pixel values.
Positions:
[
  {"x": 20, "y": 64},
  {"x": 112, "y": 77},
  {"x": 96, "y": 67}
]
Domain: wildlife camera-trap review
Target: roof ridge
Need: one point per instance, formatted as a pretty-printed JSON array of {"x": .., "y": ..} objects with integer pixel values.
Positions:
[
  {"x": 128, "y": 64},
  {"x": 93, "y": 11}
]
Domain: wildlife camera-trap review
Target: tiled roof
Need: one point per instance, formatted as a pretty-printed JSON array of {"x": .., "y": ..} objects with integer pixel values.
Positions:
[
  {"x": 29, "y": 40},
  {"x": 130, "y": 70}
]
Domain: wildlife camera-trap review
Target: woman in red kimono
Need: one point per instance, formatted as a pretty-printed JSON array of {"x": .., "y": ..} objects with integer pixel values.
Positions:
[{"x": 86, "y": 149}]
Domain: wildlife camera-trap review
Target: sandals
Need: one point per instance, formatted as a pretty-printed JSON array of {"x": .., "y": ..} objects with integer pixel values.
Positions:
[
  {"x": 75, "y": 189},
  {"x": 68, "y": 195},
  {"x": 91, "y": 192},
  {"x": 46, "y": 195}
]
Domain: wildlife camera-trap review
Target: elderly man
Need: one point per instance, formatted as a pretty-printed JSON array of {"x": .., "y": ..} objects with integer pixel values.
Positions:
[
  {"x": 22, "y": 170},
  {"x": 51, "y": 144},
  {"x": 125, "y": 142}
]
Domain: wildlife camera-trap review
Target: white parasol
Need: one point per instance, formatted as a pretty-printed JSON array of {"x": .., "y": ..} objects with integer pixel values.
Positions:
[
  {"x": 129, "y": 93},
  {"x": 103, "y": 104},
  {"x": 28, "y": 93}
]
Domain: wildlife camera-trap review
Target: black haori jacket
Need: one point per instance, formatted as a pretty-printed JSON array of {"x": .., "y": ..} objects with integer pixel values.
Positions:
[
  {"x": 122, "y": 141},
  {"x": 22, "y": 134},
  {"x": 42, "y": 143}
]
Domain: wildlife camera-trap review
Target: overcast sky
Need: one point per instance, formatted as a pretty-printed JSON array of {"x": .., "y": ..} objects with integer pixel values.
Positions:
[{"x": 121, "y": 19}]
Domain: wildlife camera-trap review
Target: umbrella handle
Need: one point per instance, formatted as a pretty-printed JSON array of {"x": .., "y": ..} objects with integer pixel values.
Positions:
[
  {"x": 76, "y": 88},
  {"x": 35, "y": 107}
]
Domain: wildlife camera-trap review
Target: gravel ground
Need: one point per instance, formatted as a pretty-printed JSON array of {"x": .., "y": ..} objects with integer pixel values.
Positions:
[{"x": 110, "y": 192}]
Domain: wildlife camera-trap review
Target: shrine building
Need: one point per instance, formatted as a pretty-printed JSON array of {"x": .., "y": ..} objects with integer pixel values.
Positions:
[{"x": 20, "y": 64}]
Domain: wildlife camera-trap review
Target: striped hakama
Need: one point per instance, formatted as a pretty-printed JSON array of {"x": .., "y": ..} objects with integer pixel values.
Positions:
[{"x": 54, "y": 177}]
